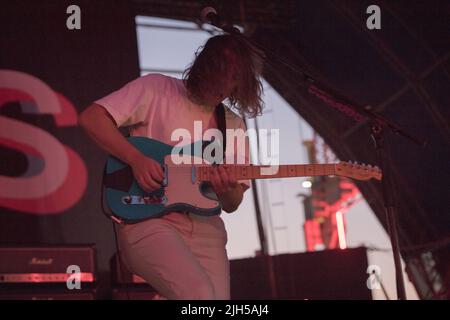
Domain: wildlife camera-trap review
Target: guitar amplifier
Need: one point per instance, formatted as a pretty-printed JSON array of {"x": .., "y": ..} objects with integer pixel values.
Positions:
[{"x": 46, "y": 265}]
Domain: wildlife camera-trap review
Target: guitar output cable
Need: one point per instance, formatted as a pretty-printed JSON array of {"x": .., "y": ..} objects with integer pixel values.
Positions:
[{"x": 119, "y": 258}]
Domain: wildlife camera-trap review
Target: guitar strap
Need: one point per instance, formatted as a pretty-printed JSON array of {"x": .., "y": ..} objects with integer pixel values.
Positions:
[{"x": 222, "y": 125}]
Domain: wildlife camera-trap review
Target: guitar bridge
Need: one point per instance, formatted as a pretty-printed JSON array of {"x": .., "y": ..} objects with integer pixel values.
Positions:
[{"x": 152, "y": 199}]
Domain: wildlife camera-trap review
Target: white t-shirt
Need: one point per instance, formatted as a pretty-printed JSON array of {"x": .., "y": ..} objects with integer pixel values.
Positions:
[{"x": 155, "y": 105}]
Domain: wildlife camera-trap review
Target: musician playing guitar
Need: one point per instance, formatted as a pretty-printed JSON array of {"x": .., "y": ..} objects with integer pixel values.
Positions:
[{"x": 180, "y": 254}]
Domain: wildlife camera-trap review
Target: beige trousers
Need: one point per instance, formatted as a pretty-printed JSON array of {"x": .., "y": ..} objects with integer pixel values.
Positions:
[{"x": 181, "y": 255}]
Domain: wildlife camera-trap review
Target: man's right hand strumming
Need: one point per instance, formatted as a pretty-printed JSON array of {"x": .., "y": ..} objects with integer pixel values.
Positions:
[
  {"x": 101, "y": 127},
  {"x": 147, "y": 172}
]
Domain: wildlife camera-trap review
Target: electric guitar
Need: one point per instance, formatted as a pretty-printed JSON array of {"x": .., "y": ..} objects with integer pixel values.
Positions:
[{"x": 185, "y": 186}]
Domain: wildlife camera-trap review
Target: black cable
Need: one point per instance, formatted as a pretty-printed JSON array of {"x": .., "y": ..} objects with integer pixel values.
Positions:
[
  {"x": 119, "y": 258},
  {"x": 377, "y": 276},
  {"x": 108, "y": 214}
]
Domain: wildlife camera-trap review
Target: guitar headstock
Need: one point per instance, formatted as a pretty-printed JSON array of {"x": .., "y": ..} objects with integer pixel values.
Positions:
[{"x": 358, "y": 171}]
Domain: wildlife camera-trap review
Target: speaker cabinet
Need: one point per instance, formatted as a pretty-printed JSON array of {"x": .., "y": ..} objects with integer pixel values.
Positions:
[{"x": 329, "y": 274}]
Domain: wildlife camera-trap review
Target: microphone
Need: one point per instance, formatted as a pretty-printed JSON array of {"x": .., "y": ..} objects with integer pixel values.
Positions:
[{"x": 209, "y": 15}]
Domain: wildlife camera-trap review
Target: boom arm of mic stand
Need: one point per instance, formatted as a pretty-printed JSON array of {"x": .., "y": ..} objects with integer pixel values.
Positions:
[{"x": 383, "y": 121}]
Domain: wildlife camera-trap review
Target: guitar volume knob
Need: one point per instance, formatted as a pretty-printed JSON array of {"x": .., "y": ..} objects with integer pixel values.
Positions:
[{"x": 126, "y": 199}]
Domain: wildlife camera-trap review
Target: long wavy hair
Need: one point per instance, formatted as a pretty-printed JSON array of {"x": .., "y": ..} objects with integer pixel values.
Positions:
[{"x": 218, "y": 56}]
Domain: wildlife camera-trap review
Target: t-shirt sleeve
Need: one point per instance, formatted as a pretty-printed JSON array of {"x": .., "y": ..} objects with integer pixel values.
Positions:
[{"x": 130, "y": 104}]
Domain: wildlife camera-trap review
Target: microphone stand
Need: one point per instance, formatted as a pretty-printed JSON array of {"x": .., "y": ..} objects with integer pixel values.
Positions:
[
  {"x": 377, "y": 124},
  {"x": 378, "y": 137}
]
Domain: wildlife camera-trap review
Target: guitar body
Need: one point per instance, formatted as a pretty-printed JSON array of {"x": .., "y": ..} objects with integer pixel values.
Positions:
[{"x": 181, "y": 191}]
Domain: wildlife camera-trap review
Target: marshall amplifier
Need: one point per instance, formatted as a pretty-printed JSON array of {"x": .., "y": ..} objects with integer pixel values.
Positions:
[{"x": 47, "y": 265}]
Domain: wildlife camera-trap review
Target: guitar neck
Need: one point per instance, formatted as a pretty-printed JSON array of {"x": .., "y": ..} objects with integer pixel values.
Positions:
[{"x": 243, "y": 172}]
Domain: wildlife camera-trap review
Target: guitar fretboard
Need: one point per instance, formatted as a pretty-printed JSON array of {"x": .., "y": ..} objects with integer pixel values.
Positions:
[{"x": 243, "y": 172}]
